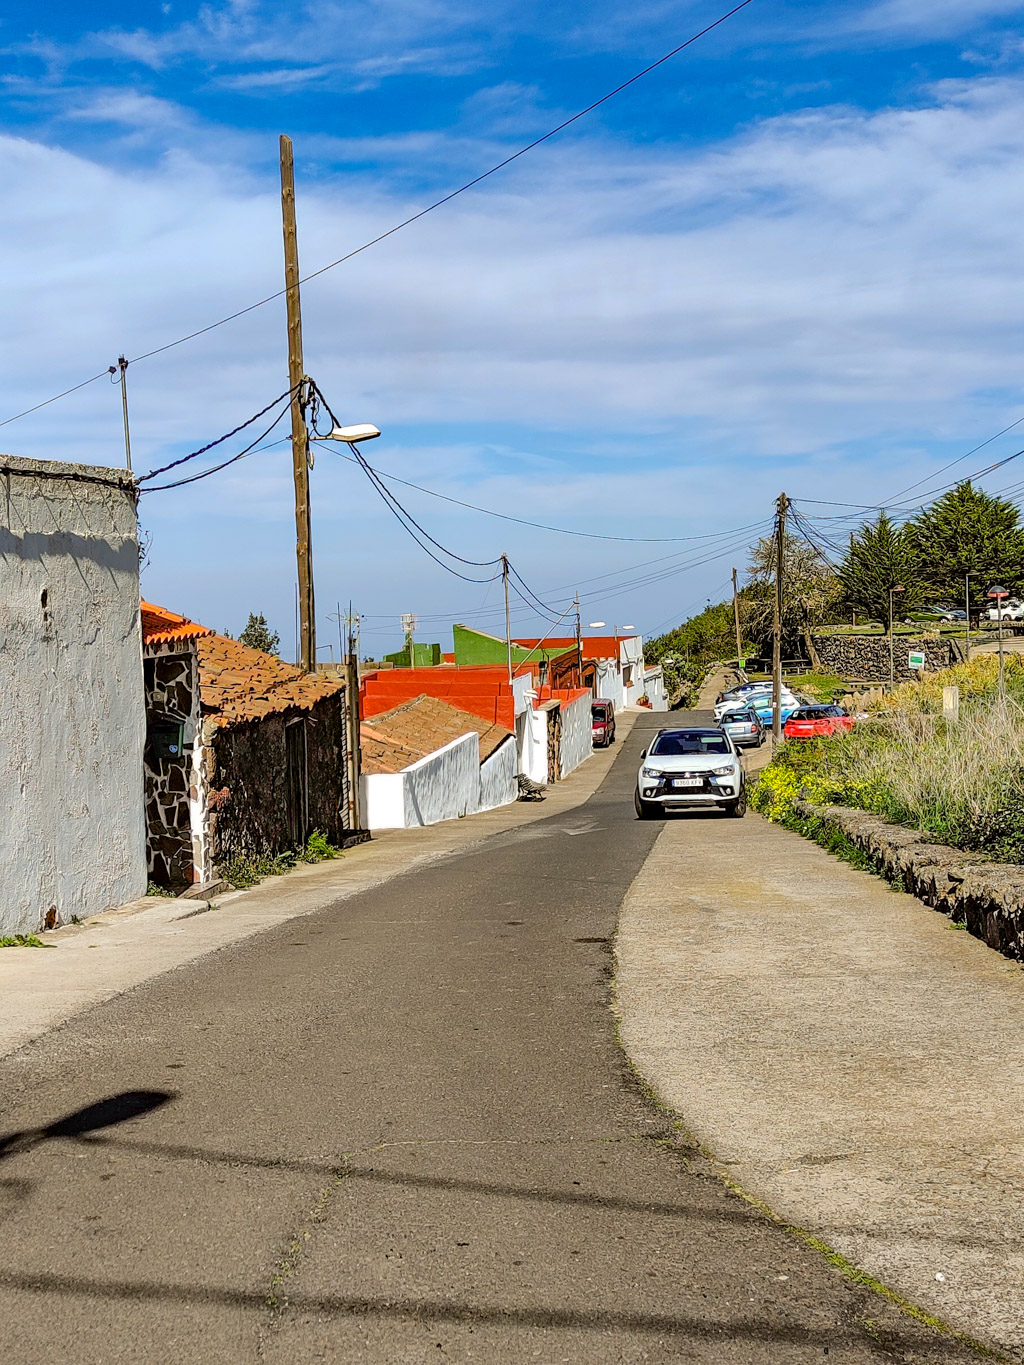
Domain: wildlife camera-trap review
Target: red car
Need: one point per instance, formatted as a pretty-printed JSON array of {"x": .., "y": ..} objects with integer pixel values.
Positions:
[{"x": 817, "y": 722}]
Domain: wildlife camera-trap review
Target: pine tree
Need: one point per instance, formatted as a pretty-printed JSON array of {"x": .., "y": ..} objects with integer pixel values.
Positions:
[
  {"x": 258, "y": 635},
  {"x": 968, "y": 531},
  {"x": 882, "y": 556}
]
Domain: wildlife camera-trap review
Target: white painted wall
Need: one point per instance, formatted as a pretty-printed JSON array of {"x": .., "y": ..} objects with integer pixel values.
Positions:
[
  {"x": 382, "y": 800},
  {"x": 631, "y": 657},
  {"x": 522, "y": 686},
  {"x": 443, "y": 786},
  {"x": 577, "y": 734},
  {"x": 654, "y": 686},
  {"x": 533, "y": 745},
  {"x": 498, "y": 785},
  {"x": 609, "y": 682},
  {"x": 72, "y": 826}
]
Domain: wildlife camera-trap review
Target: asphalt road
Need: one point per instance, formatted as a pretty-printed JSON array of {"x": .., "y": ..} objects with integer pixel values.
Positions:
[{"x": 398, "y": 1131}]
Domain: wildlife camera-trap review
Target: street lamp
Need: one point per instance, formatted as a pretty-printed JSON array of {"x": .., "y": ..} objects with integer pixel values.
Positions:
[
  {"x": 896, "y": 587},
  {"x": 967, "y": 609},
  {"x": 362, "y": 431}
]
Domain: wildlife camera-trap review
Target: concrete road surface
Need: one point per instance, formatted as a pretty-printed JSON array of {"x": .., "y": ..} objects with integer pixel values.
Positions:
[{"x": 398, "y": 1129}]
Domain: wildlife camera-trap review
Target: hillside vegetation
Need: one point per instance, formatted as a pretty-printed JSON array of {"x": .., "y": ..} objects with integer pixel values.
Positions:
[{"x": 962, "y": 782}]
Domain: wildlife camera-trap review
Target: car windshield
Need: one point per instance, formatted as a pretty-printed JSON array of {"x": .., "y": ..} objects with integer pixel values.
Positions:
[
  {"x": 690, "y": 742},
  {"x": 810, "y": 713},
  {"x": 737, "y": 716}
]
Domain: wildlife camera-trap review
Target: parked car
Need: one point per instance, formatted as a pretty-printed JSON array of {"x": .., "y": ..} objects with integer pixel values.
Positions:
[
  {"x": 788, "y": 703},
  {"x": 1012, "y": 610},
  {"x": 816, "y": 722},
  {"x": 697, "y": 766},
  {"x": 602, "y": 719},
  {"x": 741, "y": 696},
  {"x": 744, "y": 727}
]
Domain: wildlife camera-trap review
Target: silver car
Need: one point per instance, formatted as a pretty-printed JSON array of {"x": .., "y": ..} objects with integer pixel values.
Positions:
[
  {"x": 744, "y": 727},
  {"x": 685, "y": 768}
]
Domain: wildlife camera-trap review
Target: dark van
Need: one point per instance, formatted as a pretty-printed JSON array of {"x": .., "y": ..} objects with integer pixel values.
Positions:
[{"x": 603, "y": 718}]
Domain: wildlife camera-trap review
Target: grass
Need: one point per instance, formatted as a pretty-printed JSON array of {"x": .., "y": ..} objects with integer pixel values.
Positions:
[
  {"x": 24, "y": 941},
  {"x": 824, "y": 687},
  {"x": 963, "y": 783}
]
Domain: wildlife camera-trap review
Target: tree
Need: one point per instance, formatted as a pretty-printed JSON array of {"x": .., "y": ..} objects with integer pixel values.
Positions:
[
  {"x": 810, "y": 595},
  {"x": 882, "y": 556},
  {"x": 258, "y": 635},
  {"x": 968, "y": 531}
]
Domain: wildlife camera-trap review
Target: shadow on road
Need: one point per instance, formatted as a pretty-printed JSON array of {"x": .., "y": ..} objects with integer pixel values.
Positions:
[{"x": 129, "y": 1104}]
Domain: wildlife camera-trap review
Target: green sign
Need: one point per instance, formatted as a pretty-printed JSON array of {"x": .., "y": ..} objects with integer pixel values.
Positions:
[{"x": 915, "y": 659}]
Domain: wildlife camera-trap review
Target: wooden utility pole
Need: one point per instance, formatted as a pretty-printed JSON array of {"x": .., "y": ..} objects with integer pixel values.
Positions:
[
  {"x": 579, "y": 644},
  {"x": 508, "y": 617},
  {"x": 300, "y": 439},
  {"x": 736, "y": 617},
  {"x": 780, "y": 546}
]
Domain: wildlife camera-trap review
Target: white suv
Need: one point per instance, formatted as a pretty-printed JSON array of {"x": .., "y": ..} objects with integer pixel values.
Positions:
[{"x": 696, "y": 766}]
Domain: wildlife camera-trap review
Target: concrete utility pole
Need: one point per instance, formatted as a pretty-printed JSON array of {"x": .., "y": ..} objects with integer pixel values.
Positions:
[
  {"x": 300, "y": 438},
  {"x": 736, "y": 617},
  {"x": 508, "y": 617},
  {"x": 781, "y": 506}
]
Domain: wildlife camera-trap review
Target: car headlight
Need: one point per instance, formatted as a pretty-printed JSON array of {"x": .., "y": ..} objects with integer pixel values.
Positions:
[
  {"x": 722, "y": 772},
  {"x": 651, "y": 772}
]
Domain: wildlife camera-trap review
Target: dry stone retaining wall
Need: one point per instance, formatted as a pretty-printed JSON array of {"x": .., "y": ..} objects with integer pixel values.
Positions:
[
  {"x": 987, "y": 897},
  {"x": 866, "y": 657}
]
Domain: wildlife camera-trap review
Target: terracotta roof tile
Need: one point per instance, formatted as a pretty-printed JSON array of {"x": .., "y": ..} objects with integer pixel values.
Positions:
[
  {"x": 394, "y": 739},
  {"x": 162, "y": 627},
  {"x": 238, "y": 683}
]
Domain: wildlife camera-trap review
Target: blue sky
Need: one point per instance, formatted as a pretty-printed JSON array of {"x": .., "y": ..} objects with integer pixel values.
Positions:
[{"x": 787, "y": 259}]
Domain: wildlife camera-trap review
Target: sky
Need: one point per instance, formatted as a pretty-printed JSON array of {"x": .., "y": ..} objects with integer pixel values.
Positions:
[{"x": 788, "y": 259}]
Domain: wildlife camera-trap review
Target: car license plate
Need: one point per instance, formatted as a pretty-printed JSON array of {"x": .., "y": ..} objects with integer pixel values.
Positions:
[{"x": 687, "y": 781}]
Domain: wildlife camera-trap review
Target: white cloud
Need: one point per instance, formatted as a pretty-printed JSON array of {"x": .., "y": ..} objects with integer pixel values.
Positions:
[{"x": 828, "y": 298}]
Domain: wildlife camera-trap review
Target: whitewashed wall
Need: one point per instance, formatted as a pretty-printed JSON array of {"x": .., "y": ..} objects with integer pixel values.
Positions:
[
  {"x": 654, "y": 686},
  {"x": 443, "y": 786},
  {"x": 72, "y": 823},
  {"x": 577, "y": 734},
  {"x": 631, "y": 656},
  {"x": 609, "y": 683},
  {"x": 532, "y": 728},
  {"x": 382, "y": 800},
  {"x": 498, "y": 785}
]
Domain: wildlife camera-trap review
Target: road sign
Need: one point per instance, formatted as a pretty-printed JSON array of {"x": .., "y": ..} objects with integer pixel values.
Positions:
[
  {"x": 998, "y": 592},
  {"x": 915, "y": 659}
]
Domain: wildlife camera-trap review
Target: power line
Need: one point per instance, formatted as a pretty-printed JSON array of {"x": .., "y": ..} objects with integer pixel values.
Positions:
[
  {"x": 537, "y": 525},
  {"x": 221, "y": 439},
  {"x": 422, "y": 213},
  {"x": 958, "y": 460},
  {"x": 205, "y": 473},
  {"x": 47, "y": 401}
]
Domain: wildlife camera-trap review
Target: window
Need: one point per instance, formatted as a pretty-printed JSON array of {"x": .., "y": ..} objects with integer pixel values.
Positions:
[{"x": 690, "y": 742}]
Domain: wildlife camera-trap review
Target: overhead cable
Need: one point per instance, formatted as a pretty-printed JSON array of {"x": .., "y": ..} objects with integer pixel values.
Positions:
[
  {"x": 537, "y": 525},
  {"x": 422, "y": 213},
  {"x": 221, "y": 439}
]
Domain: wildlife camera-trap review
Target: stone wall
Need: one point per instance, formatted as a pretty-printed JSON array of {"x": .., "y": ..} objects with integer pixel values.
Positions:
[
  {"x": 251, "y": 809},
  {"x": 170, "y": 683},
  {"x": 986, "y": 897},
  {"x": 865, "y": 658}
]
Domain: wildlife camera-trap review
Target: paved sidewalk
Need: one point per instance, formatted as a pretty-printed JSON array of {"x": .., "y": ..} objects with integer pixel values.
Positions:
[
  {"x": 111, "y": 953},
  {"x": 849, "y": 1056}
]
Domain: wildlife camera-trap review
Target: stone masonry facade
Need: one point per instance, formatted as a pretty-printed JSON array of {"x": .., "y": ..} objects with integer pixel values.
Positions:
[{"x": 171, "y": 794}]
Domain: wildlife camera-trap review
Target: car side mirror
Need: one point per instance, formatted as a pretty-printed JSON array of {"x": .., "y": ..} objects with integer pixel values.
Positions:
[{"x": 643, "y": 753}]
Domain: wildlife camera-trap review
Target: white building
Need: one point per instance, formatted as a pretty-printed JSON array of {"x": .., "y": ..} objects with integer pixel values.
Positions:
[{"x": 72, "y": 828}]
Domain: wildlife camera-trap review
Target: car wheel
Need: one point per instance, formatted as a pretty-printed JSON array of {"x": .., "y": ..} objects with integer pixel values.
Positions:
[
  {"x": 646, "y": 810},
  {"x": 739, "y": 806}
]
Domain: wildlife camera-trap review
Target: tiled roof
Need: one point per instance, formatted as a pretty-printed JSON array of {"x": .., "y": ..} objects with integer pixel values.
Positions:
[
  {"x": 237, "y": 683},
  {"x": 162, "y": 627},
  {"x": 407, "y": 733}
]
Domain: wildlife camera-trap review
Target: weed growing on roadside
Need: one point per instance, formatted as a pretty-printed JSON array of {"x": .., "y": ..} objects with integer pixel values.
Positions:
[
  {"x": 319, "y": 849},
  {"x": 153, "y": 890},
  {"x": 24, "y": 941},
  {"x": 246, "y": 871}
]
